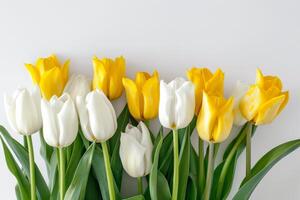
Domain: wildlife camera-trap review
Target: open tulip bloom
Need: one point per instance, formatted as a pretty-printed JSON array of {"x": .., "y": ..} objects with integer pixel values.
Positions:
[{"x": 86, "y": 147}]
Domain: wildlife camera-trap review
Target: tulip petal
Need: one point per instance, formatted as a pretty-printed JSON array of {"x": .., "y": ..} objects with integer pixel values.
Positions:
[
  {"x": 101, "y": 76},
  {"x": 117, "y": 72},
  {"x": 34, "y": 73},
  {"x": 133, "y": 98},
  {"x": 251, "y": 102},
  {"x": 238, "y": 92},
  {"x": 185, "y": 104},
  {"x": 132, "y": 155},
  {"x": 286, "y": 99},
  {"x": 147, "y": 143},
  {"x": 215, "y": 85},
  {"x": 50, "y": 128},
  {"x": 269, "y": 110},
  {"x": 52, "y": 83},
  {"x": 67, "y": 121},
  {"x": 150, "y": 92},
  {"x": 65, "y": 72},
  {"x": 10, "y": 109}
]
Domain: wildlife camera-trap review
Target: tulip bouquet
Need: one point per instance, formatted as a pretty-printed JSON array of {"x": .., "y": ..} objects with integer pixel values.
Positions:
[{"x": 87, "y": 148}]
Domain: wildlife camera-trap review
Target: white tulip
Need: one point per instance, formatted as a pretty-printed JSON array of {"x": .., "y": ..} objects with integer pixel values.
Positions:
[
  {"x": 97, "y": 116},
  {"x": 177, "y": 103},
  {"x": 23, "y": 111},
  {"x": 136, "y": 150},
  {"x": 78, "y": 85},
  {"x": 60, "y": 121},
  {"x": 238, "y": 92}
]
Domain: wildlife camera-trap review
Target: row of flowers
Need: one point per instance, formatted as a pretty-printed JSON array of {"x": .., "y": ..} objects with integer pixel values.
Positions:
[{"x": 59, "y": 105}]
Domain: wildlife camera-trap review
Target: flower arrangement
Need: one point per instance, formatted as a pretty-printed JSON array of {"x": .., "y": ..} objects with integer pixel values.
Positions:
[{"x": 86, "y": 147}]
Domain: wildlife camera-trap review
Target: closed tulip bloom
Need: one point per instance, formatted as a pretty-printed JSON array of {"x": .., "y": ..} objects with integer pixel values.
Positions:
[
  {"x": 205, "y": 81},
  {"x": 136, "y": 150},
  {"x": 177, "y": 103},
  {"x": 143, "y": 95},
  {"x": 78, "y": 85},
  {"x": 215, "y": 120},
  {"x": 23, "y": 111},
  {"x": 97, "y": 116},
  {"x": 50, "y": 75},
  {"x": 60, "y": 121},
  {"x": 264, "y": 100},
  {"x": 108, "y": 74}
]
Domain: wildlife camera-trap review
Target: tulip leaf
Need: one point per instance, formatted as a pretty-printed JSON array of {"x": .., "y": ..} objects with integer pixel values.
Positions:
[
  {"x": 92, "y": 189},
  {"x": 191, "y": 193},
  {"x": 100, "y": 174},
  {"x": 53, "y": 177},
  {"x": 159, "y": 188},
  {"x": 78, "y": 185},
  {"x": 22, "y": 155},
  {"x": 114, "y": 142},
  {"x": 23, "y": 184},
  {"x": 138, "y": 197},
  {"x": 166, "y": 154},
  {"x": 45, "y": 151},
  {"x": 262, "y": 167},
  {"x": 18, "y": 193}
]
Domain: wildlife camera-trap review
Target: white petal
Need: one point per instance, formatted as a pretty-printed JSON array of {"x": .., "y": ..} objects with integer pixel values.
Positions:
[
  {"x": 68, "y": 122},
  {"x": 84, "y": 119},
  {"x": 134, "y": 132},
  {"x": 185, "y": 105},
  {"x": 10, "y": 109},
  {"x": 176, "y": 83},
  {"x": 36, "y": 97},
  {"x": 147, "y": 143},
  {"x": 50, "y": 129},
  {"x": 166, "y": 105},
  {"x": 103, "y": 120},
  {"x": 132, "y": 155},
  {"x": 27, "y": 119},
  {"x": 78, "y": 85}
]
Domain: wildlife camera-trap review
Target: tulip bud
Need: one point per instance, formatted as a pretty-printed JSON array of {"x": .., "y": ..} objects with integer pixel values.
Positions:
[
  {"x": 238, "y": 92},
  {"x": 136, "y": 150},
  {"x": 78, "y": 85},
  {"x": 97, "y": 116},
  {"x": 215, "y": 120},
  {"x": 23, "y": 111},
  {"x": 264, "y": 100},
  {"x": 177, "y": 103},
  {"x": 60, "y": 121}
]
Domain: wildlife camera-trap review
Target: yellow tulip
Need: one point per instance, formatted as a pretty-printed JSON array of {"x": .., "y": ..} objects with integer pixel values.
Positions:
[
  {"x": 205, "y": 81},
  {"x": 143, "y": 95},
  {"x": 108, "y": 76},
  {"x": 50, "y": 75},
  {"x": 264, "y": 100},
  {"x": 215, "y": 119}
]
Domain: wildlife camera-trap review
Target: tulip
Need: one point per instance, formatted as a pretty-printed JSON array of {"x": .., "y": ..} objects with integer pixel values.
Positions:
[
  {"x": 264, "y": 100},
  {"x": 50, "y": 75},
  {"x": 261, "y": 104},
  {"x": 205, "y": 80},
  {"x": 108, "y": 76},
  {"x": 78, "y": 85},
  {"x": 60, "y": 127},
  {"x": 214, "y": 124},
  {"x": 176, "y": 110},
  {"x": 23, "y": 111},
  {"x": 98, "y": 122},
  {"x": 143, "y": 95},
  {"x": 136, "y": 152}
]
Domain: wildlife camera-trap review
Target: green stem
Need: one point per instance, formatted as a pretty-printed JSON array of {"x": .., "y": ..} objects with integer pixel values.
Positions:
[
  {"x": 176, "y": 165},
  {"x": 140, "y": 185},
  {"x": 210, "y": 171},
  {"x": 32, "y": 167},
  {"x": 109, "y": 175},
  {"x": 248, "y": 151},
  {"x": 61, "y": 173},
  {"x": 201, "y": 175}
]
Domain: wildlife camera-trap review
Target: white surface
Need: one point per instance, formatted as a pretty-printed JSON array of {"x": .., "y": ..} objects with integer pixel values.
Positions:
[{"x": 169, "y": 36}]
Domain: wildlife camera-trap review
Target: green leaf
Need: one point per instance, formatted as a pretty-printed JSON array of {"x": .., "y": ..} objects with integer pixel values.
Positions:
[
  {"x": 263, "y": 166},
  {"x": 114, "y": 142},
  {"x": 77, "y": 187},
  {"x": 23, "y": 184},
  {"x": 191, "y": 193},
  {"x": 45, "y": 151},
  {"x": 184, "y": 163},
  {"x": 158, "y": 185},
  {"x": 22, "y": 155},
  {"x": 138, "y": 197},
  {"x": 18, "y": 193},
  {"x": 92, "y": 188},
  {"x": 166, "y": 154}
]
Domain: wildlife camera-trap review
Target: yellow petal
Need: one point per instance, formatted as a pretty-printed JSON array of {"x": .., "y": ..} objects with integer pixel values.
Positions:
[
  {"x": 133, "y": 98},
  {"x": 65, "y": 71},
  {"x": 251, "y": 102},
  {"x": 52, "y": 83},
  {"x": 54, "y": 60},
  {"x": 150, "y": 92},
  {"x": 269, "y": 110},
  {"x": 215, "y": 85},
  {"x": 266, "y": 82},
  {"x": 286, "y": 99},
  {"x": 117, "y": 73},
  {"x": 141, "y": 78},
  {"x": 34, "y": 73},
  {"x": 101, "y": 76},
  {"x": 224, "y": 122}
]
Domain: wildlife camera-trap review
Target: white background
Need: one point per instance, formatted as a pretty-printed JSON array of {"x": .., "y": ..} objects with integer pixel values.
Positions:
[{"x": 170, "y": 36}]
